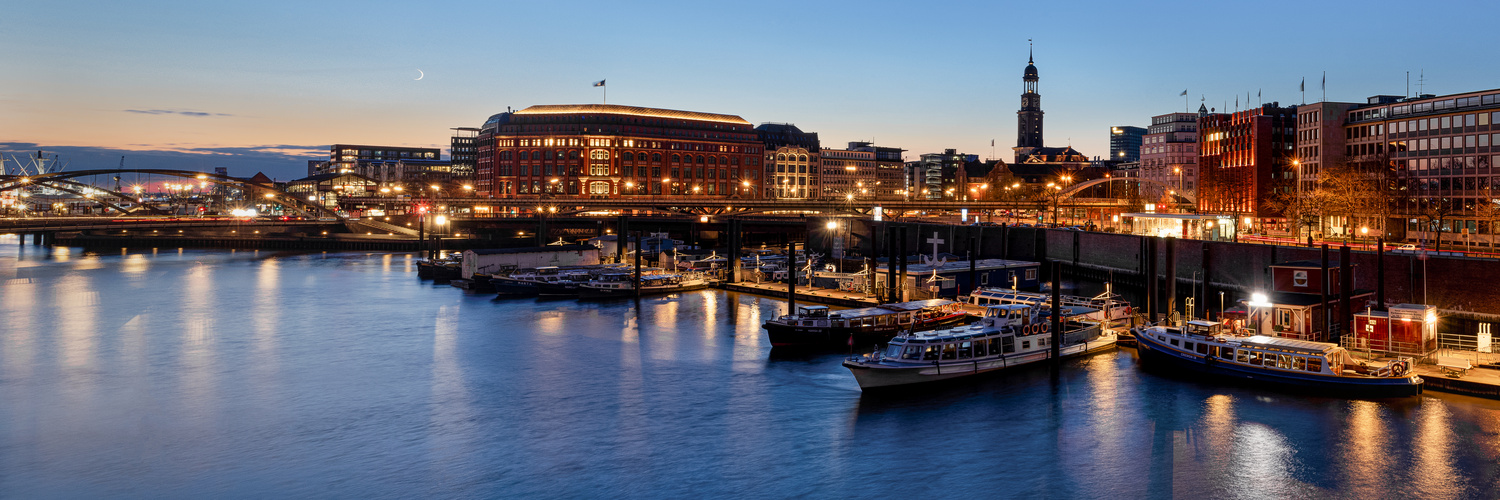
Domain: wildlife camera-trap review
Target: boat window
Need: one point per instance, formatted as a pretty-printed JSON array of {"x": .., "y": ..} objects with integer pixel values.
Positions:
[
  {"x": 1041, "y": 342},
  {"x": 949, "y": 351},
  {"x": 965, "y": 350},
  {"x": 1187, "y": 345},
  {"x": 931, "y": 353},
  {"x": 1203, "y": 348},
  {"x": 1244, "y": 356},
  {"x": 1299, "y": 363},
  {"x": 1315, "y": 364},
  {"x": 1226, "y": 352},
  {"x": 912, "y": 352},
  {"x": 1283, "y": 361},
  {"x": 1257, "y": 357},
  {"x": 1174, "y": 342},
  {"x": 893, "y": 351},
  {"x": 1008, "y": 344},
  {"x": 1025, "y": 344},
  {"x": 994, "y": 346}
]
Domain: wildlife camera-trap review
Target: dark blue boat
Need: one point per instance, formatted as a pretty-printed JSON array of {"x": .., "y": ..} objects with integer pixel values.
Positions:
[{"x": 1202, "y": 347}]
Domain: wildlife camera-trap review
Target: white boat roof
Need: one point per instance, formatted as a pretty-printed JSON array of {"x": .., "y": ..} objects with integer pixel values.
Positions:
[
  {"x": 916, "y": 305},
  {"x": 1288, "y": 344}
]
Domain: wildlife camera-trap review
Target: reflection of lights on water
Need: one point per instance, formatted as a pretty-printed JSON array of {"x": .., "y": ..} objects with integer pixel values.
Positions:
[{"x": 1432, "y": 471}]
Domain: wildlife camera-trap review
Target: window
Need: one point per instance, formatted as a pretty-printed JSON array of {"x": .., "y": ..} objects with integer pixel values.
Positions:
[
  {"x": 1030, "y": 274},
  {"x": 1025, "y": 344},
  {"x": 1315, "y": 364},
  {"x": 949, "y": 351}
]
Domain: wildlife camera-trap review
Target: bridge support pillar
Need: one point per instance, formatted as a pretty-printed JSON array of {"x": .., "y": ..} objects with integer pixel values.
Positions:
[
  {"x": 21, "y": 238},
  {"x": 37, "y": 239}
]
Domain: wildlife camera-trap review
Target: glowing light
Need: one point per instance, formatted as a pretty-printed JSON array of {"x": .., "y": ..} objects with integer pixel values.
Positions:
[
  {"x": 1259, "y": 299},
  {"x": 441, "y": 219},
  {"x": 832, "y": 225}
]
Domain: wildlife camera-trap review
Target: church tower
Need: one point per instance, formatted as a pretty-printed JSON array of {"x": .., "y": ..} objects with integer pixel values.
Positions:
[{"x": 1029, "y": 118}]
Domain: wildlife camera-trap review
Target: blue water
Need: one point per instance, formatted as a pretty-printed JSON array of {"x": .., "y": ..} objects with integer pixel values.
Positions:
[{"x": 191, "y": 374}]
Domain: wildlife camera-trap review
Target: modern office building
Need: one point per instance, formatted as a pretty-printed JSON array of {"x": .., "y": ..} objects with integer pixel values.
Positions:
[
  {"x": 792, "y": 160},
  {"x": 845, "y": 173},
  {"x": 1125, "y": 143},
  {"x": 1243, "y": 158},
  {"x": 1441, "y": 150},
  {"x": 463, "y": 151},
  {"x": 1169, "y": 153},
  {"x": 607, "y": 150},
  {"x": 345, "y": 158},
  {"x": 1320, "y": 140},
  {"x": 935, "y": 175}
]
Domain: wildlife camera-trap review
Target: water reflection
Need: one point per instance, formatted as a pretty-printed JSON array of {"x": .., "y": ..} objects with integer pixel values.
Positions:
[{"x": 234, "y": 374}]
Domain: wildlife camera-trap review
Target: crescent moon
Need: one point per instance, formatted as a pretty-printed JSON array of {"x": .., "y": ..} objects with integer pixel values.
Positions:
[{"x": 420, "y": 74}]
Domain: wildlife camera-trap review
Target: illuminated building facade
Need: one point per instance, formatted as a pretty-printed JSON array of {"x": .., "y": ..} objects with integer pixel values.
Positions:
[
  {"x": 1243, "y": 157},
  {"x": 792, "y": 162},
  {"x": 611, "y": 151},
  {"x": 846, "y": 173},
  {"x": 1169, "y": 152},
  {"x": 345, "y": 158},
  {"x": 1125, "y": 143}
]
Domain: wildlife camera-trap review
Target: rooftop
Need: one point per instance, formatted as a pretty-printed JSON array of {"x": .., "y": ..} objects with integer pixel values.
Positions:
[{"x": 615, "y": 109}]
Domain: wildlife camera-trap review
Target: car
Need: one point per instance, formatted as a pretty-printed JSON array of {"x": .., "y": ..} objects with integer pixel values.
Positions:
[{"x": 1407, "y": 247}]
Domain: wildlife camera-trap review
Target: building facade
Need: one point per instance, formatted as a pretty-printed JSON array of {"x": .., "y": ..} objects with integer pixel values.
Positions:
[
  {"x": 613, "y": 151},
  {"x": 792, "y": 159},
  {"x": 462, "y": 151},
  {"x": 845, "y": 173},
  {"x": 1244, "y": 158},
  {"x": 1169, "y": 153},
  {"x": 935, "y": 175},
  {"x": 1125, "y": 143},
  {"x": 1441, "y": 150},
  {"x": 344, "y": 158},
  {"x": 1320, "y": 140}
]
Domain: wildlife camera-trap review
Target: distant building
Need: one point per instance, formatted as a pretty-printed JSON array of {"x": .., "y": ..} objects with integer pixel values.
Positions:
[
  {"x": 613, "y": 151},
  {"x": 343, "y": 158},
  {"x": 845, "y": 172},
  {"x": 1125, "y": 143},
  {"x": 888, "y": 170},
  {"x": 463, "y": 151},
  {"x": 1244, "y": 158},
  {"x": 1169, "y": 153},
  {"x": 792, "y": 162},
  {"x": 935, "y": 175}
]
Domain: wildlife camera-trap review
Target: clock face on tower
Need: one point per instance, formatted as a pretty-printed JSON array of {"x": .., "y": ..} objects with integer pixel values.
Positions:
[{"x": 1025, "y": 101}]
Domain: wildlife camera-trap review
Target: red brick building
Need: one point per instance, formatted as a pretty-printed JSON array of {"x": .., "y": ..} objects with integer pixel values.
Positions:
[
  {"x": 611, "y": 151},
  {"x": 1243, "y": 157}
]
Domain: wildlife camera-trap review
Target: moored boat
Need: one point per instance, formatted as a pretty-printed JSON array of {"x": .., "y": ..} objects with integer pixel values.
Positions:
[
  {"x": 818, "y": 326},
  {"x": 1107, "y": 307},
  {"x": 1206, "y": 347},
  {"x": 624, "y": 285},
  {"x": 1007, "y": 336}
]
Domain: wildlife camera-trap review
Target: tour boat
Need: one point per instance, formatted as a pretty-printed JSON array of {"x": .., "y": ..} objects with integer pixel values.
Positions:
[
  {"x": 1008, "y": 335},
  {"x": 817, "y": 326},
  {"x": 1205, "y": 347},
  {"x": 439, "y": 269},
  {"x": 624, "y": 285},
  {"x": 1107, "y": 307}
]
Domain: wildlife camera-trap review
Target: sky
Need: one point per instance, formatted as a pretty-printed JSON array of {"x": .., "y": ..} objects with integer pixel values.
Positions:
[{"x": 268, "y": 85}]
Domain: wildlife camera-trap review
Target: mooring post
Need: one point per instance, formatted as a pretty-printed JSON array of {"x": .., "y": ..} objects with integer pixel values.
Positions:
[
  {"x": 791, "y": 275},
  {"x": 1056, "y": 314},
  {"x": 1380, "y": 273},
  {"x": 1323, "y": 291},
  {"x": 973, "y": 256},
  {"x": 1171, "y": 275},
  {"x": 1346, "y": 288},
  {"x": 637, "y": 265}
]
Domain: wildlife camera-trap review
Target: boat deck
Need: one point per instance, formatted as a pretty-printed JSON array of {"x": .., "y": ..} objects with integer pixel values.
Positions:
[{"x": 804, "y": 294}]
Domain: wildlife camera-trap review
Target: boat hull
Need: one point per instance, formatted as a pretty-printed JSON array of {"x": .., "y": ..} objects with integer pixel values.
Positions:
[
  {"x": 506, "y": 287},
  {"x": 1156, "y": 356},
  {"x": 875, "y": 376},
  {"x": 786, "y": 336}
]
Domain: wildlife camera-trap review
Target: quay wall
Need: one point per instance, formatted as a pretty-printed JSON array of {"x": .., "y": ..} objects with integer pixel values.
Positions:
[{"x": 1465, "y": 287}]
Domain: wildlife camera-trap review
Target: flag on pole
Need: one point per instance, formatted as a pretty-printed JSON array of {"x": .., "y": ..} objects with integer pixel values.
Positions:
[
  {"x": 599, "y": 83},
  {"x": 992, "y": 143},
  {"x": 1303, "y": 86},
  {"x": 1184, "y": 92},
  {"x": 1325, "y": 80}
]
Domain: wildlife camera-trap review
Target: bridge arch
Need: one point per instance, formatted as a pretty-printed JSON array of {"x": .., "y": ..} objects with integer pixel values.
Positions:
[
  {"x": 1180, "y": 197},
  {"x": 10, "y": 182}
]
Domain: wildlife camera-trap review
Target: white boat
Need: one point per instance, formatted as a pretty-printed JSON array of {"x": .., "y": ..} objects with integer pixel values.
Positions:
[
  {"x": 1108, "y": 307},
  {"x": 1008, "y": 335}
]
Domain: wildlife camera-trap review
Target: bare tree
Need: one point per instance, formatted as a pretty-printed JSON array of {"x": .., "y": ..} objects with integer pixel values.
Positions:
[{"x": 1435, "y": 210}]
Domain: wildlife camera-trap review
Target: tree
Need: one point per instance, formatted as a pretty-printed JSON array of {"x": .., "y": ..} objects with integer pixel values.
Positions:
[
  {"x": 1434, "y": 210},
  {"x": 1302, "y": 209},
  {"x": 1487, "y": 210}
]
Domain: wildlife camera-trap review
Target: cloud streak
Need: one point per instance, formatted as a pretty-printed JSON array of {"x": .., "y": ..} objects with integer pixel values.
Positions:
[{"x": 174, "y": 112}]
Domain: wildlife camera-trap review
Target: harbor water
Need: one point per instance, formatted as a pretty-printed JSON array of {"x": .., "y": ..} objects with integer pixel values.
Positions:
[{"x": 174, "y": 373}]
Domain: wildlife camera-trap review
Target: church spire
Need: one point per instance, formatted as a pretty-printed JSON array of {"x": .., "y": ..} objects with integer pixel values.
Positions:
[{"x": 1030, "y": 49}]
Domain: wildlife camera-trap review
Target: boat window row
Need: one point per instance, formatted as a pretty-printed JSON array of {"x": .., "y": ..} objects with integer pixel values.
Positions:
[
  {"x": 1251, "y": 356},
  {"x": 956, "y": 350}
]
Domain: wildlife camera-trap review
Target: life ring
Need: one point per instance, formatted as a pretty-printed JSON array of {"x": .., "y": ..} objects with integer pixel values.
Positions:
[{"x": 1045, "y": 327}]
